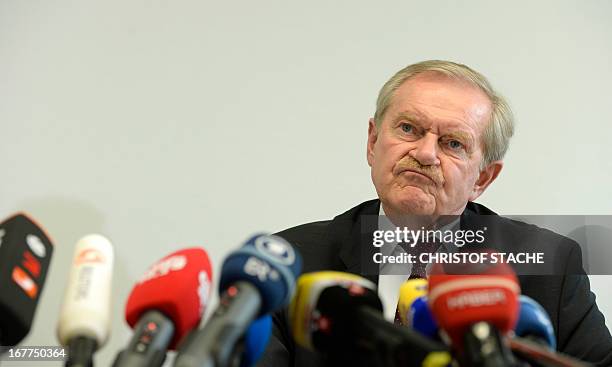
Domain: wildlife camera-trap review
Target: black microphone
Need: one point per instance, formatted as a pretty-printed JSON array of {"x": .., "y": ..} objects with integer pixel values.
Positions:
[
  {"x": 25, "y": 254},
  {"x": 255, "y": 280}
]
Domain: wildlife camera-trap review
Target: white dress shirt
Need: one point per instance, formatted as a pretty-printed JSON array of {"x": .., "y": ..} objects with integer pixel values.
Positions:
[{"x": 392, "y": 276}]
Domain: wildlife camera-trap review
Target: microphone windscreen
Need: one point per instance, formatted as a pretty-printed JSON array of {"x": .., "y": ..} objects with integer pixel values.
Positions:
[
  {"x": 533, "y": 321},
  {"x": 458, "y": 301},
  {"x": 256, "y": 340},
  {"x": 269, "y": 263},
  {"x": 322, "y": 306},
  {"x": 178, "y": 286},
  {"x": 86, "y": 310},
  {"x": 409, "y": 291},
  {"x": 25, "y": 255}
]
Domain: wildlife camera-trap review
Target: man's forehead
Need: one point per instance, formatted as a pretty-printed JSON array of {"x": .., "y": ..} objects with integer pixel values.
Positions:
[{"x": 430, "y": 99}]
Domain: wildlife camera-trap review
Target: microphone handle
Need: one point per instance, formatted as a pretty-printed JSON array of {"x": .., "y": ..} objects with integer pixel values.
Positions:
[
  {"x": 213, "y": 345},
  {"x": 80, "y": 351},
  {"x": 485, "y": 347},
  {"x": 399, "y": 346},
  {"x": 152, "y": 335},
  {"x": 538, "y": 356}
]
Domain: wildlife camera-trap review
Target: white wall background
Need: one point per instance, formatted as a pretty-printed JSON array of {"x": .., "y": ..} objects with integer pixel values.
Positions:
[{"x": 163, "y": 124}]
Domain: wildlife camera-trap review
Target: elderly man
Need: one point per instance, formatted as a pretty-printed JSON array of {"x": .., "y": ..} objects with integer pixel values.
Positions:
[{"x": 435, "y": 144}]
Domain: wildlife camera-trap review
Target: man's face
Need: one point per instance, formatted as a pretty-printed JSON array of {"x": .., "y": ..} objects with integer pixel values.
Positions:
[{"x": 426, "y": 153}]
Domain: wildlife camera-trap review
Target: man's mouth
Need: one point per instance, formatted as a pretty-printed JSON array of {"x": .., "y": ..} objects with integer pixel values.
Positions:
[{"x": 421, "y": 174}]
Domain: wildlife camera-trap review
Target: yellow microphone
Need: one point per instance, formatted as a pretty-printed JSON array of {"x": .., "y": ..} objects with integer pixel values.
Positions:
[{"x": 409, "y": 291}]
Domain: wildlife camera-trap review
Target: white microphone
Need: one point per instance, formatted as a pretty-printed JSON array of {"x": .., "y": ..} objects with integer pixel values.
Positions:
[{"x": 84, "y": 323}]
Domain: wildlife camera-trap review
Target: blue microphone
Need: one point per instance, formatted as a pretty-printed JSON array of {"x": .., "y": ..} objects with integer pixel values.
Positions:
[
  {"x": 256, "y": 280},
  {"x": 534, "y": 323},
  {"x": 256, "y": 340},
  {"x": 421, "y": 319},
  {"x": 268, "y": 263}
]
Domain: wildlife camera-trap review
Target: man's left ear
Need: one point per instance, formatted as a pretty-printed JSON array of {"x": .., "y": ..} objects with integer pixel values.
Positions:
[{"x": 486, "y": 177}]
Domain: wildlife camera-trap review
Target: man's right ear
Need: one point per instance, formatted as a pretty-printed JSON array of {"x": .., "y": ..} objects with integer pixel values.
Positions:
[{"x": 372, "y": 136}]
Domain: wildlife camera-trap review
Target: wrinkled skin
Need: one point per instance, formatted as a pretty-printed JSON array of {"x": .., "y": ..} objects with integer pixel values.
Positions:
[{"x": 425, "y": 154}]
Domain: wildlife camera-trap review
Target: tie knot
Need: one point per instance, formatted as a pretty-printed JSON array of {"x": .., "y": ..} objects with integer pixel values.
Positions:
[{"x": 418, "y": 266}]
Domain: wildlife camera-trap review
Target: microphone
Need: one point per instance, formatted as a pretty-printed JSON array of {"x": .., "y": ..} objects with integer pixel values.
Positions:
[
  {"x": 256, "y": 280},
  {"x": 25, "y": 255},
  {"x": 340, "y": 314},
  {"x": 475, "y": 310},
  {"x": 413, "y": 309},
  {"x": 534, "y": 323},
  {"x": 536, "y": 343},
  {"x": 409, "y": 291},
  {"x": 84, "y": 322},
  {"x": 422, "y": 320},
  {"x": 165, "y": 304},
  {"x": 256, "y": 340}
]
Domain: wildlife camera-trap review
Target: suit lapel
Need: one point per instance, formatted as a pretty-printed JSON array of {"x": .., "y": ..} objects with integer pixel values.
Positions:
[
  {"x": 353, "y": 230},
  {"x": 355, "y": 237}
]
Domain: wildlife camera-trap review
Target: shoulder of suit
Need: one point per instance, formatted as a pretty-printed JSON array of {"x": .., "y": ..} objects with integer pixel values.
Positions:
[
  {"x": 327, "y": 232},
  {"x": 526, "y": 234},
  {"x": 312, "y": 229}
]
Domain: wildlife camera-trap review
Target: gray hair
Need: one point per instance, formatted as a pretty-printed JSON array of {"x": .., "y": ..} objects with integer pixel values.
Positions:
[{"x": 497, "y": 134}]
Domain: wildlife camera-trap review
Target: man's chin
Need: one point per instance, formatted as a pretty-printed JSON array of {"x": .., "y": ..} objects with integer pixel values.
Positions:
[{"x": 415, "y": 202}]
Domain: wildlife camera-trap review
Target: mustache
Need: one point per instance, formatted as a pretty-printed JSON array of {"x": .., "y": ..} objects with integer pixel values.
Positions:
[{"x": 410, "y": 164}]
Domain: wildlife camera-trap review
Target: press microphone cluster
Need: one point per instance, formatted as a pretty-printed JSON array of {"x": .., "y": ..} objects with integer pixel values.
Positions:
[
  {"x": 460, "y": 316},
  {"x": 164, "y": 307},
  {"x": 479, "y": 313}
]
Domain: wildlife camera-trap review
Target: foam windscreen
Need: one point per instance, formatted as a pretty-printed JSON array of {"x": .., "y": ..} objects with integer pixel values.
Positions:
[{"x": 179, "y": 286}]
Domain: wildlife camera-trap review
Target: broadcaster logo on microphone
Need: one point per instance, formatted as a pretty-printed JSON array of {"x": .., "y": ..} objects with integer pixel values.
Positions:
[{"x": 276, "y": 248}]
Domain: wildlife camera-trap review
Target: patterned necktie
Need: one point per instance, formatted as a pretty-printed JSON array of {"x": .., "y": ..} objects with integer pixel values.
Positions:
[
  {"x": 398, "y": 319},
  {"x": 418, "y": 267}
]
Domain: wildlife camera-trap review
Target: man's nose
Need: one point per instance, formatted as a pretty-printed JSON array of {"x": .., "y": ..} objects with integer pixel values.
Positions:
[{"x": 426, "y": 150}]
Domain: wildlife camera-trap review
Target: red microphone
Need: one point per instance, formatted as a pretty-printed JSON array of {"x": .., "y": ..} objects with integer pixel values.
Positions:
[
  {"x": 167, "y": 303},
  {"x": 475, "y": 308}
]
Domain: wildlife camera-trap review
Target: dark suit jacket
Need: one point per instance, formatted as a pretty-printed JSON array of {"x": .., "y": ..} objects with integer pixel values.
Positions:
[{"x": 335, "y": 245}]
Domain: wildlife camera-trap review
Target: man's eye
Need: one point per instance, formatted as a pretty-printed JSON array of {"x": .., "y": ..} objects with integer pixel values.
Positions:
[
  {"x": 455, "y": 144},
  {"x": 407, "y": 128}
]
